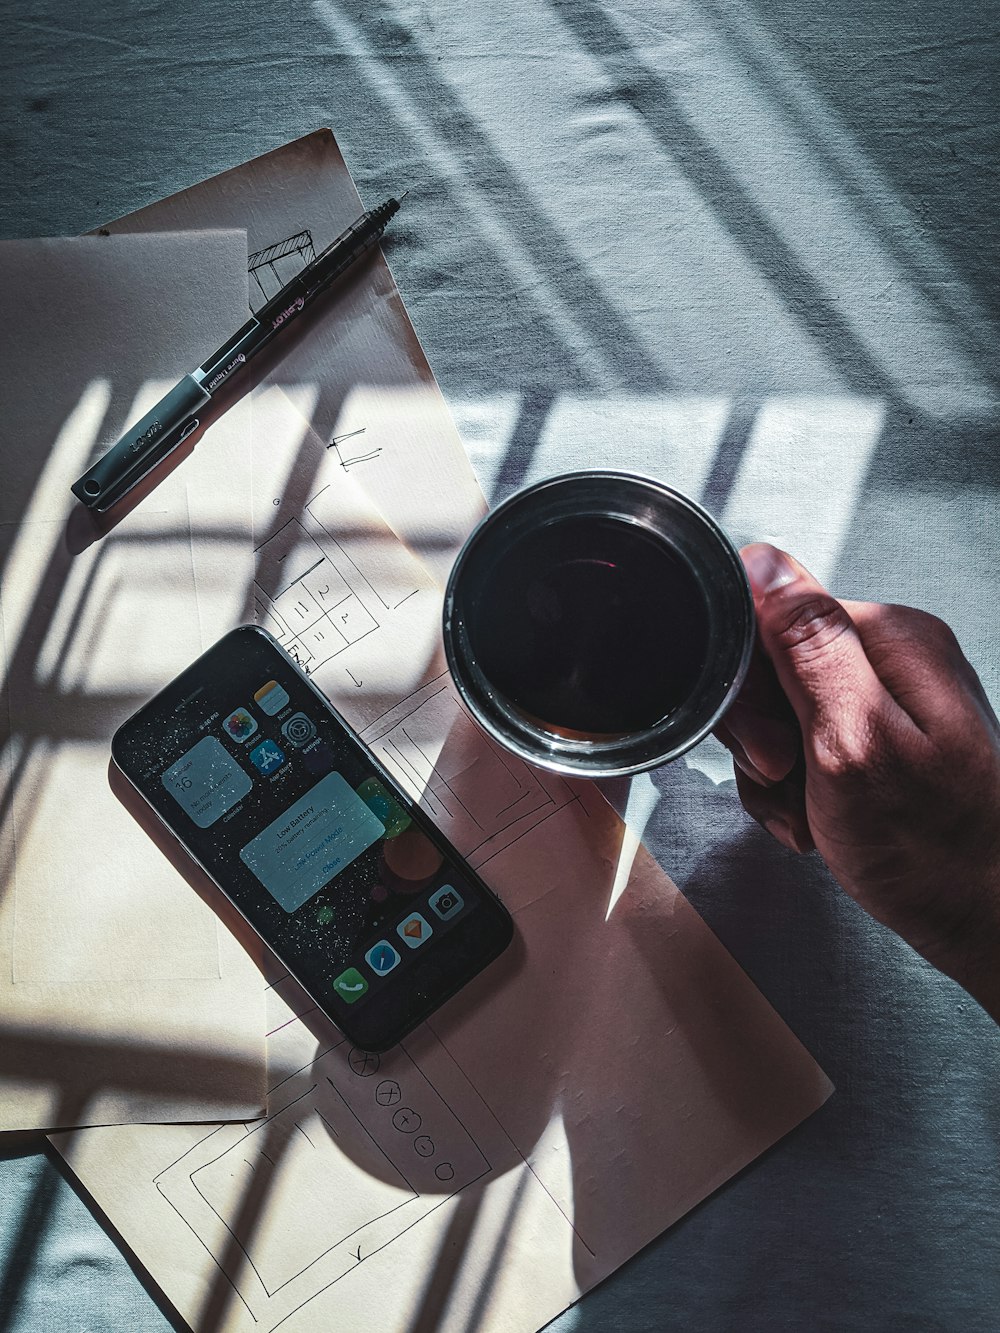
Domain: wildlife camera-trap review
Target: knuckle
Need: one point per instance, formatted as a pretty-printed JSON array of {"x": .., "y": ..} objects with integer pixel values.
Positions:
[
  {"x": 934, "y": 632},
  {"x": 849, "y": 748},
  {"x": 811, "y": 626},
  {"x": 840, "y": 763}
]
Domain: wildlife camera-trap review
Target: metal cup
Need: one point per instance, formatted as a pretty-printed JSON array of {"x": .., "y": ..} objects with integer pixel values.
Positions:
[{"x": 690, "y": 535}]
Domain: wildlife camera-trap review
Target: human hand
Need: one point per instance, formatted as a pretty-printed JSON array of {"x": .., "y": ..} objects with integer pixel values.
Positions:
[{"x": 863, "y": 731}]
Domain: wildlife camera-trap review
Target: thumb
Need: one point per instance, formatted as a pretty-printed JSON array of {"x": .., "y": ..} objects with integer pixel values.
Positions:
[{"x": 817, "y": 655}]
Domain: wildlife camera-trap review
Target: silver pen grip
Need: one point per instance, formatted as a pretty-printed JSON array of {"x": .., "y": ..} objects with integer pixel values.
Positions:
[{"x": 143, "y": 446}]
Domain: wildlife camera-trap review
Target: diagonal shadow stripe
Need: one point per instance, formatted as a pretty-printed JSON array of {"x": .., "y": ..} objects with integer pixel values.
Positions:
[
  {"x": 731, "y": 24},
  {"x": 650, "y": 97},
  {"x": 536, "y": 404},
  {"x": 32, "y": 1230},
  {"x": 729, "y": 453},
  {"x": 565, "y": 273}
]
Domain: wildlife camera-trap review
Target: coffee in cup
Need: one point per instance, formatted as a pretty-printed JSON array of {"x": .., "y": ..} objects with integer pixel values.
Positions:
[{"x": 598, "y": 623}]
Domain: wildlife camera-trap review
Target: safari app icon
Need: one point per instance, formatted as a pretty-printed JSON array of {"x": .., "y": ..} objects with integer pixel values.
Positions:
[{"x": 382, "y": 958}]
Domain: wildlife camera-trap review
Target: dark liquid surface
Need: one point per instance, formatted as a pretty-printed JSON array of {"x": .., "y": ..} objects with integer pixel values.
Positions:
[{"x": 591, "y": 624}]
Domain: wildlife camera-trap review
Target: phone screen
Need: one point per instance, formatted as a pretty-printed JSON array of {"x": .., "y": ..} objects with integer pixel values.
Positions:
[{"x": 356, "y": 892}]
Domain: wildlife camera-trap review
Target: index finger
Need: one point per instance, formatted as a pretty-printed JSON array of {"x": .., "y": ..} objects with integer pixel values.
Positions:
[{"x": 920, "y": 662}]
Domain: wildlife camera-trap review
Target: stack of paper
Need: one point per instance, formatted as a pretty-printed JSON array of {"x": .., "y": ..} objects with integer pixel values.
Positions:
[{"x": 608, "y": 1073}]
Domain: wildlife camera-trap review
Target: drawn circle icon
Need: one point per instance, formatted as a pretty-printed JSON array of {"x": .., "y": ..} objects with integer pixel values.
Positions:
[
  {"x": 444, "y": 1171},
  {"x": 423, "y": 1146},
  {"x": 387, "y": 1093},
  {"x": 298, "y": 730},
  {"x": 364, "y": 1063},
  {"x": 406, "y": 1121}
]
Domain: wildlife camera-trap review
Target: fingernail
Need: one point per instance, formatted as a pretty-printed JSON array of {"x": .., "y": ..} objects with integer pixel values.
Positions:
[
  {"x": 770, "y": 743},
  {"x": 782, "y": 832},
  {"x": 768, "y": 568},
  {"x": 745, "y": 766}
]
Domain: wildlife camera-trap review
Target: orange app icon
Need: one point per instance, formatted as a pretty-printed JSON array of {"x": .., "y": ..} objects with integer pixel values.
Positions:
[{"x": 414, "y": 930}]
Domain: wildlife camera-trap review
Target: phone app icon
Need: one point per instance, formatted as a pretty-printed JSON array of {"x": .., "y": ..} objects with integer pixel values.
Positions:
[
  {"x": 267, "y": 756},
  {"x": 239, "y": 725},
  {"x": 382, "y": 958},
  {"x": 298, "y": 730},
  {"x": 446, "y": 902},
  {"x": 350, "y": 985},
  {"x": 414, "y": 931},
  {"x": 271, "y": 698}
]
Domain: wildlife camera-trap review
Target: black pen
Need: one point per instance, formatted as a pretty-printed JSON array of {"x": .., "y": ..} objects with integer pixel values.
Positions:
[{"x": 176, "y": 416}]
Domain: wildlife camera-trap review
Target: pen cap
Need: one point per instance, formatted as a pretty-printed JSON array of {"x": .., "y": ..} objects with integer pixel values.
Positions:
[{"x": 142, "y": 446}]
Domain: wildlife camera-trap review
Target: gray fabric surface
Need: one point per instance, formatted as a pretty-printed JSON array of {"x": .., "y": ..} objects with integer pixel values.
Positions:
[{"x": 752, "y": 250}]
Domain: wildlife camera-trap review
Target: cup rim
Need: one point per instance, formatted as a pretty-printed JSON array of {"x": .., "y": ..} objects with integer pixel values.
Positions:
[{"x": 570, "y": 758}]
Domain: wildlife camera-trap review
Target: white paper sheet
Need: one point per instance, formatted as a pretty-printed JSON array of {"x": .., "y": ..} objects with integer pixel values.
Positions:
[
  {"x": 353, "y": 363},
  {"x": 122, "y": 997}
]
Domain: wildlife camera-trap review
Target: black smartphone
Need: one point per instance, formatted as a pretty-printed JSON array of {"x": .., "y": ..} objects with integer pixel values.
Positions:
[{"x": 347, "y": 880}]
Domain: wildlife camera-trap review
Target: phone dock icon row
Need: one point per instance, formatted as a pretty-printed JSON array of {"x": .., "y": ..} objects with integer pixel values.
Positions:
[{"x": 414, "y": 930}]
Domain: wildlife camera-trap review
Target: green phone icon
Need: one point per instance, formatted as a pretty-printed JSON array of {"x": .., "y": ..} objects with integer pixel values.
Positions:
[{"x": 350, "y": 985}]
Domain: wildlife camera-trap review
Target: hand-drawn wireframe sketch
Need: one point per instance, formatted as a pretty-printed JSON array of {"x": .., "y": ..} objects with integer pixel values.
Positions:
[
  {"x": 314, "y": 605},
  {"x": 479, "y": 795},
  {"x": 355, "y": 454},
  {"x": 361, "y": 360},
  {"x": 333, "y": 585},
  {"x": 275, "y": 265},
  {"x": 331, "y": 1211},
  {"x": 317, "y": 595},
  {"x": 371, "y": 1192}
]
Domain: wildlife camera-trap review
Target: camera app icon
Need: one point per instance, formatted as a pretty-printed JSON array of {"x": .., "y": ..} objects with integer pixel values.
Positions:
[
  {"x": 446, "y": 902},
  {"x": 299, "y": 730}
]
